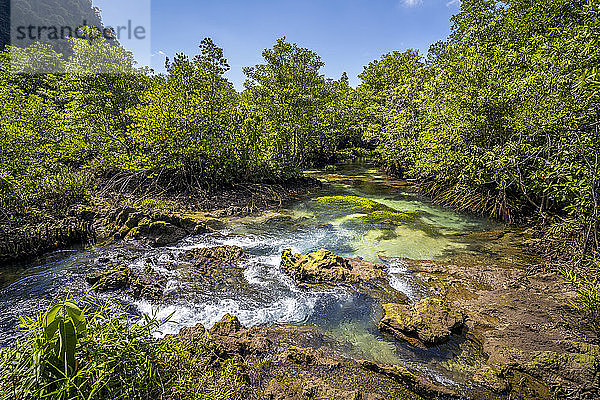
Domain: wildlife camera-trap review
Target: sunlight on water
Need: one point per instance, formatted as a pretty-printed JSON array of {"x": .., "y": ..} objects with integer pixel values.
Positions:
[
  {"x": 401, "y": 242},
  {"x": 365, "y": 343}
]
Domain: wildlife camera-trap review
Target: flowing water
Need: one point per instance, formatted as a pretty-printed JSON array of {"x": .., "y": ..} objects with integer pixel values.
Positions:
[{"x": 263, "y": 295}]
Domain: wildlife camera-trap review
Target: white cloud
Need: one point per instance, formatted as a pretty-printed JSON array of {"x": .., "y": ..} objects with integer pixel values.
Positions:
[
  {"x": 159, "y": 53},
  {"x": 452, "y": 2},
  {"x": 411, "y": 3}
]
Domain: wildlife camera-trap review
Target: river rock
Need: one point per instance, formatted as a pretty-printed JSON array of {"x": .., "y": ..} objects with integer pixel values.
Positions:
[
  {"x": 215, "y": 257},
  {"x": 319, "y": 267},
  {"x": 299, "y": 363},
  {"x": 123, "y": 278},
  {"x": 219, "y": 268},
  {"x": 113, "y": 279},
  {"x": 227, "y": 326},
  {"x": 297, "y": 355},
  {"x": 156, "y": 228},
  {"x": 421, "y": 385},
  {"x": 325, "y": 268},
  {"x": 431, "y": 321}
]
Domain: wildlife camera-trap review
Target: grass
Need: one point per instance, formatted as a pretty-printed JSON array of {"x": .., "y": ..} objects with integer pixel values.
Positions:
[{"x": 587, "y": 301}]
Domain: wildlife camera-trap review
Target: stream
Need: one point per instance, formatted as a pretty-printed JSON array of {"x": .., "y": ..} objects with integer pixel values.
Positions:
[{"x": 265, "y": 296}]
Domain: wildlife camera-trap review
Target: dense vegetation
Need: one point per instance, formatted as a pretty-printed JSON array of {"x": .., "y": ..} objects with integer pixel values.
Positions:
[
  {"x": 503, "y": 116},
  {"x": 101, "y": 124}
]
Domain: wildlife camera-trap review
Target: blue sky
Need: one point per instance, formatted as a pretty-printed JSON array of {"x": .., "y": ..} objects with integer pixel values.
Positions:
[{"x": 347, "y": 34}]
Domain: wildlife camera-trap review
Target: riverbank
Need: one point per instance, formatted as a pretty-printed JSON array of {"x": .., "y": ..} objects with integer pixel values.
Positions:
[{"x": 93, "y": 222}]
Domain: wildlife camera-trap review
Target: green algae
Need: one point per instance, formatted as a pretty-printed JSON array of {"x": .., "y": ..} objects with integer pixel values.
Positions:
[
  {"x": 394, "y": 216},
  {"x": 357, "y": 202}
]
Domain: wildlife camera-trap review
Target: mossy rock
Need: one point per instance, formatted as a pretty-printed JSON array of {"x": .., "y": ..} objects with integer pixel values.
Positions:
[
  {"x": 122, "y": 214},
  {"x": 133, "y": 234},
  {"x": 417, "y": 384},
  {"x": 568, "y": 370},
  {"x": 391, "y": 217},
  {"x": 493, "y": 377},
  {"x": 145, "y": 288},
  {"x": 134, "y": 219},
  {"x": 524, "y": 386},
  {"x": 158, "y": 228},
  {"x": 319, "y": 267},
  {"x": 122, "y": 232},
  {"x": 227, "y": 326},
  {"x": 113, "y": 279},
  {"x": 207, "y": 258},
  {"x": 297, "y": 355},
  {"x": 123, "y": 278},
  {"x": 430, "y": 321},
  {"x": 209, "y": 223},
  {"x": 216, "y": 267}
]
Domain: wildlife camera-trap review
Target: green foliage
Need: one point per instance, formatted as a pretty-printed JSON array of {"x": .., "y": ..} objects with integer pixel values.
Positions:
[
  {"x": 304, "y": 117},
  {"x": 96, "y": 352},
  {"x": 186, "y": 124},
  {"x": 502, "y": 118},
  {"x": 70, "y": 353},
  {"x": 203, "y": 371},
  {"x": 103, "y": 124}
]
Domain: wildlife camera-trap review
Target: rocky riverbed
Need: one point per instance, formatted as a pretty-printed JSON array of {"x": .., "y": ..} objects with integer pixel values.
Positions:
[{"x": 360, "y": 290}]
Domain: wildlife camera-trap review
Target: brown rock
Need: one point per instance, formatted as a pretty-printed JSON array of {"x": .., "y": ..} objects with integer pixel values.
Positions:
[
  {"x": 227, "y": 326},
  {"x": 319, "y": 267},
  {"x": 431, "y": 321}
]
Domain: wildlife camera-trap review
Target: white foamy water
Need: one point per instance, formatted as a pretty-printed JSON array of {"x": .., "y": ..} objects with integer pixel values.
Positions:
[
  {"x": 287, "y": 310},
  {"x": 397, "y": 276}
]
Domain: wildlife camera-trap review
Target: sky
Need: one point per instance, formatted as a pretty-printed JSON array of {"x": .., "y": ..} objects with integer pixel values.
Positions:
[{"x": 347, "y": 34}]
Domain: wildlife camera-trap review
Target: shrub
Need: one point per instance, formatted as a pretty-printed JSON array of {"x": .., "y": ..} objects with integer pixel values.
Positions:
[
  {"x": 64, "y": 188},
  {"x": 74, "y": 353},
  {"x": 85, "y": 350}
]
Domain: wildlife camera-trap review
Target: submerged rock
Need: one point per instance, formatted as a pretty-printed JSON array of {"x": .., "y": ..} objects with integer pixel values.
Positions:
[
  {"x": 418, "y": 384},
  {"x": 123, "y": 278},
  {"x": 431, "y": 321},
  {"x": 356, "y": 202},
  {"x": 389, "y": 217}
]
